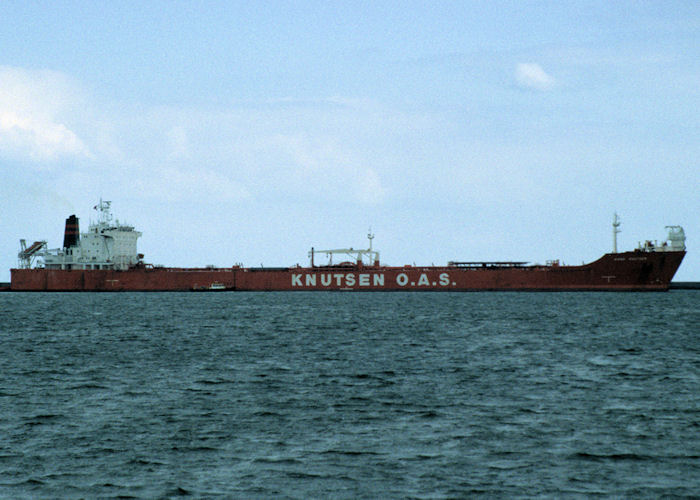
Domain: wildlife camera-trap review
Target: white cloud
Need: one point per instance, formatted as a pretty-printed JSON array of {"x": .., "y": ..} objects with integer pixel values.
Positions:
[
  {"x": 32, "y": 104},
  {"x": 320, "y": 151},
  {"x": 174, "y": 184},
  {"x": 179, "y": 142},
  {"x": 302, "y": 151},
  {"x": 532, "y": 76},
  {"x": 370, "y": 189}
]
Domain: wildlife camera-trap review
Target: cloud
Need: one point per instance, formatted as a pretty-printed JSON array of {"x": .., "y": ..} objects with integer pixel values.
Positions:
[
  {"x": 179, "y": 142},
  {"x": 174, "y": 184},
  {"x": 532, "y": 76},
  {"x": 369, "y": 188},
  {"x": 323, "y": 150},
  {"x": 39, "y": 138},
  {"x": 313, "y": 150},
  {"x": 34, "y": 106}
]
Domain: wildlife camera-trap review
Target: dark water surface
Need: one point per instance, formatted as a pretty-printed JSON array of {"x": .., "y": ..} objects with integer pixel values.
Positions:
[{"x": 348, "y": 395}]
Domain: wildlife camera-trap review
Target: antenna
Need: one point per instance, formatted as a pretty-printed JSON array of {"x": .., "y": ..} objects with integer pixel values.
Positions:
[
  {"x": 103, "y": 208},
  {"x": 616, "y": 225},
  {"x": 370, "y": 237}
]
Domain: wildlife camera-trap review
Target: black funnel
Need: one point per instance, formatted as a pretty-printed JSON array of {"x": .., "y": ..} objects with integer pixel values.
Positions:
[{"x": 71, "y": 237}]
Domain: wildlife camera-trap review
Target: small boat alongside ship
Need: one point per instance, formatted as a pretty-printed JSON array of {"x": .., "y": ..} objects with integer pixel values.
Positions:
[{"x": 105, "y": 258}]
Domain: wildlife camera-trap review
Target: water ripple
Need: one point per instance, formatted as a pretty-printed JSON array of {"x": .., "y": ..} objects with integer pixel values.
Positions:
[{"x": 349, "y": 395}]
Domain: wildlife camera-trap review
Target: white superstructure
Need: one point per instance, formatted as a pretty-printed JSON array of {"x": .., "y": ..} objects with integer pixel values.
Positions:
[
  {"x": 675, "y": 242},
  {"x": 106, "y": 245}
]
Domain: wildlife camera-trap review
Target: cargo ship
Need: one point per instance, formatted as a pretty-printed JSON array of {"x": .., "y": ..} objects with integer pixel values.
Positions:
[{"x": 106, "y": 259}]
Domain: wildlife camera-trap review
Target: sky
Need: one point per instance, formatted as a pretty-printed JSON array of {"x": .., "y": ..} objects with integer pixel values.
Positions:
[{"x": 247, "y": 132}]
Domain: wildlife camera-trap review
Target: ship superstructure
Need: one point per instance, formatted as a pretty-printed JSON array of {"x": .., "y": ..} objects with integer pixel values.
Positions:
[
  {"x": 106, "y": 245},
  {"x": 105, "y": 258}
]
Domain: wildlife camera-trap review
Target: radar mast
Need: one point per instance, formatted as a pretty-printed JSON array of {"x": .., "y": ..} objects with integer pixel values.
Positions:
[{"x": 616, "y": 225}]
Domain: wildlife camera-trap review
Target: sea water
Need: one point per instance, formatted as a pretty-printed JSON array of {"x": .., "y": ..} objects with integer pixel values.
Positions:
[{"x": 349, "y": 395}]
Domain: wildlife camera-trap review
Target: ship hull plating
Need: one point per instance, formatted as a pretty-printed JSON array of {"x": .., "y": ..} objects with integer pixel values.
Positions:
[{"x": 628, "y": 271}]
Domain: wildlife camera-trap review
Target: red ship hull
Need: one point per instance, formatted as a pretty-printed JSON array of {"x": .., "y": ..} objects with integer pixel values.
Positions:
[{"x": 629, "y": 271}]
